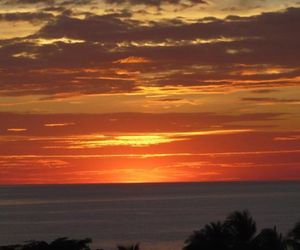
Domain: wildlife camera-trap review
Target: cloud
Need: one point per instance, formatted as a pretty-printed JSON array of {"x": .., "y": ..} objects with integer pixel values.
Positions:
[
  {"x": 139, "y": 139},
  {"x": 84, "y": 50},
  {"x": 49, "y": 2},
  {"x": 52, "y": 125},
  {"x": 288, "y": 138},
  {"x": 231, "y": 27},
  {"x": 78, "y": 124},
  {"x": 271, "y": 100},
  {"x": 14, "y": 2},
  {"x": 16, "y": 129},
  {"x": 133, "y": 60},
  {"x": 264, "y": 91},
  {"x": 154, "y": 2},
  {"x": 25, "y": 16},
  {"x": 170, "y": 100}
]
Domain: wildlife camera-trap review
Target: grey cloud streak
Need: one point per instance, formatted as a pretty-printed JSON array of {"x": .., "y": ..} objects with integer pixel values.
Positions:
[
  {"x": 154, "y": 2},
  {"x": 25, "y": 16},
  {"x": 85, "y": 2}
]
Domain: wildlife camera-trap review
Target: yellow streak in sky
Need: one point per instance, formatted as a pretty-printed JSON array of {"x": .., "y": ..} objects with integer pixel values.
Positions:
[
  {"x": 144, "y": 140},
  {"x": 133, "y": 60},
  {"x": 16, "y": 129},
  {"x": 129, "y": 140},
  {"x": 58, "y": 124}
]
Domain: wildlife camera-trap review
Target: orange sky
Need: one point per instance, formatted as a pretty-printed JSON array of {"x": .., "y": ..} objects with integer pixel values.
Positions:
[{"x": 149, "y": 91}]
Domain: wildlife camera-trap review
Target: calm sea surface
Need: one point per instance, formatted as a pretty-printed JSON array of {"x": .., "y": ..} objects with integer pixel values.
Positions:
[{"x": 160, "y": 216}]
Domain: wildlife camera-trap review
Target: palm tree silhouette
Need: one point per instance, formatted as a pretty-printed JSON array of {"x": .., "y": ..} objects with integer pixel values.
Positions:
[
  {"x": 213, "y": 236},
  {"x": 242, "y": 229},
  {"x": 293, "y": 240},
  {"x": 238, "y": 232},
  {"x": 270, "y": 239},
  {"x": 131, "y": 247}
]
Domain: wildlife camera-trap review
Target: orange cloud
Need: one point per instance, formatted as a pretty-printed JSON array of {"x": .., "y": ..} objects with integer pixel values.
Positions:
[
  {"x": 133, "y": 60},
  {"x": 17, "y": 129},
  {"x": 58, "y": 124},
  {"x": 138, "y": 139}
]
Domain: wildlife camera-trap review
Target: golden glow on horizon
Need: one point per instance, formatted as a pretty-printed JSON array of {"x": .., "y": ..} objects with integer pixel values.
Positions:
[{"x": 141, "y": 175}]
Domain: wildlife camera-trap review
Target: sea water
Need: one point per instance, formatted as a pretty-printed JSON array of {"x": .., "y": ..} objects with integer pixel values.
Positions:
[{"x": 159, "y": 216}]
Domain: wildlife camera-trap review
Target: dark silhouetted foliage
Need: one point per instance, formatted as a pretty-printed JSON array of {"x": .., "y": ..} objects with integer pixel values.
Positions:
[
  {"x": 242, "y": 230},
  {"x": 212, "y": 236},
  {"x": 131, "y": 247},
  {"x": 238, "y": 232},
  {"x": 66, "y": 244},
  {"x": 58, "y": 244},
  {"x": 270, "y": 239},
  {"x": 293, "y": 240}
]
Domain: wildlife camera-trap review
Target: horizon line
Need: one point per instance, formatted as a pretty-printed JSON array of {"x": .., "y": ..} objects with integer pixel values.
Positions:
[{"x": 152, "y": 183}]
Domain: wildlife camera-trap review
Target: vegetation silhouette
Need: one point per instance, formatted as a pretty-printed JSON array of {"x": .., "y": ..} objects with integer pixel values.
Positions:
[
  {"x": 131, "y": 247},
  {"x": 58, "y": 244},
  {"x": 237, "y": 232}
]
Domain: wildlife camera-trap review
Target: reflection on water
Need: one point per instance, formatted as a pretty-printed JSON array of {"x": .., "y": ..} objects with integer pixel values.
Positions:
[{"x": 160, "y": 216}]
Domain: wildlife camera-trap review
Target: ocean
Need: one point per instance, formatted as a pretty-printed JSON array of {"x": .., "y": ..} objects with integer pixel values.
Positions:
[{"x": 159, "y": 216}]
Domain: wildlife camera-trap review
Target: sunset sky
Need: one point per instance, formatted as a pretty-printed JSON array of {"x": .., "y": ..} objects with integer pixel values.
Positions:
[{"x": 105, "y": 91}]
